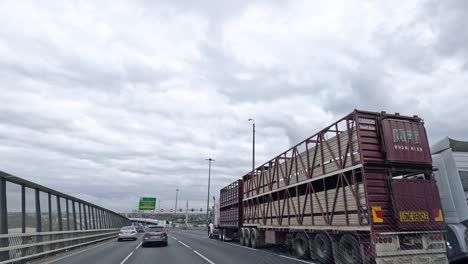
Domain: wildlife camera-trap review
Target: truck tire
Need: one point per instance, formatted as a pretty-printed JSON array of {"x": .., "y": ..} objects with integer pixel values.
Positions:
[
  {"x": 301, "y": 246},
  {"x": 247, "y": 237},
  {"x": 322, "y": 249},
  {"x": 349, "y": 250},
  {"x": 241, "y": 237},
  {"x": 257, "y": 238}
]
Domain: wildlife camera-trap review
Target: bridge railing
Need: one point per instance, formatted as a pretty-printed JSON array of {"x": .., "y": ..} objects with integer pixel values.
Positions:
[{"x": 36, "y": 220}]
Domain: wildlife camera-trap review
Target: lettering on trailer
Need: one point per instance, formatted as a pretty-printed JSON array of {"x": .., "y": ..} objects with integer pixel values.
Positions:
[
  {"x": 414, "y": 216},
  {"x": 406, "y": 137},
  {"x": 367, "y": 124}
]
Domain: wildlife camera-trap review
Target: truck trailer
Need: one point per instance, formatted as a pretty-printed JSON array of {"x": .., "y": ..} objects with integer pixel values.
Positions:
[
  {"x": 450, "y": 157},
  {"x": 344, "y": 195}
]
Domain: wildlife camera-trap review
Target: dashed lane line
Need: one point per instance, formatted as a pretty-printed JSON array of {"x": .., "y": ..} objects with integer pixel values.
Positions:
[
  {"x": 185, "y": 245},
  {"x": 299, "y": 260},
  {"x": 129, "y": 255},
  {"x": 196, "y": 252},
  {"x": 138, "y": 245},
  {"x": 254, "y": 249},
  {"x": 205, "y": 258}
]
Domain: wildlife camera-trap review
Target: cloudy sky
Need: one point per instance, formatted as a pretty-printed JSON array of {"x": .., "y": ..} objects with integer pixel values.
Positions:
[{"x": 113, "y": 100}]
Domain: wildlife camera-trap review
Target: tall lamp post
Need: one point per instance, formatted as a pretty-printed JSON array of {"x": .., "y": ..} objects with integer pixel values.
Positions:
[
  {"x": 253, "y": 144},
  {"x": 175, "y": 211},
  {"x": 209, "y": 179}
]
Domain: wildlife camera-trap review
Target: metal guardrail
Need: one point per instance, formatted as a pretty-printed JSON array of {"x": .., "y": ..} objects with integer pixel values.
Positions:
[
  {"x": 42, "y": 221},
  {"x": 28, "y": 246}
]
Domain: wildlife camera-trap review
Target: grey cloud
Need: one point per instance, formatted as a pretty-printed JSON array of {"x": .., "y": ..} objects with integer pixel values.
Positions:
[{"x": 133, "y": 103}]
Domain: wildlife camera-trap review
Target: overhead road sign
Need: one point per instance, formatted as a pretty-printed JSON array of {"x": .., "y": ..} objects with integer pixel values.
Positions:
[{"x": 147, "y": 203}]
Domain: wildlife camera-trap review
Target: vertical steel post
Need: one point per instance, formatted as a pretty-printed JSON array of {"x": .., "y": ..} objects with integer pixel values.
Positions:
[
  {"x": 106, "y": 222},
  {"x": 59, "y": 213},
  {"x": 75, "y": 227},
  {"x": 85, "y": 218},
  {"x": 3, "y": 219},
  {"x": 175, "y": 211},
  {"x": 209, "y": 180},
  {"x": 80, "y": 215},
  {"x": 68, "y": 213},
  {"x": 3, "y": 207},
  {"x": 99, "y": 218},
  {"x": 38, "y": 211},
  {"x": 23, "y": 208},
  {"x": 94, "y": 217},
  {"x": 253, "y": 145},
  {"x": 49, "y": 196}
]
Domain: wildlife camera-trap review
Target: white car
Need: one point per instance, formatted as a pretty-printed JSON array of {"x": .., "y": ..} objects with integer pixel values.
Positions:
[{"x": 128, "y": 232}]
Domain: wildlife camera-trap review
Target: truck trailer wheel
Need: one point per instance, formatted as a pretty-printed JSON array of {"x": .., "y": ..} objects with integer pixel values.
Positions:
[
  {"x": 301, "y": 246},
  {"x": 322, "y": 249},
  {"x": 349, "y": 250},
  {"x": 247, "y": 237},
  {"x": 221, "y": 235},
  {"x": 242, "y": 237},
  {"x": 257, "y": 238}
]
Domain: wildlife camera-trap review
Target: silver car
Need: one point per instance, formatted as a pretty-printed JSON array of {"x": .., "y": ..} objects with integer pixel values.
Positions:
[
  {"x": 128, "y": 232},
  {"x": 155, "y": 235}
]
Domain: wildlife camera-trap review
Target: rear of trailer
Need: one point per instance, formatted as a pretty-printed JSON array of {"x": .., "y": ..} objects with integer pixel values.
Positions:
[
  {"x": 359, "y": 191},
  {"x": 231, "y": 210}
]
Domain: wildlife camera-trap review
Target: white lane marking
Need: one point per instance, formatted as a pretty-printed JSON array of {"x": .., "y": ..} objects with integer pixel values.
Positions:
[
  {"x": 266, "y": 252},
  {"x": 76, "y": 253},
  {"x": 129, "y": 255},
  {"x": 185, "y": 245},
  {"x": 299, "y": 260},
  {"x": 139, "y": 245},
  {"x": 205, "y": 258},
  {"x": 196, "y": 252},
  {"x": 242, "y": 247}
]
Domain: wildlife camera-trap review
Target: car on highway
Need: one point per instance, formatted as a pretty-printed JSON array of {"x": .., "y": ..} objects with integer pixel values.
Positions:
[
  {"x": 139, "y": 228},
  {"x": 154, "y": 235},
  {"x": 127, "y": 232}
]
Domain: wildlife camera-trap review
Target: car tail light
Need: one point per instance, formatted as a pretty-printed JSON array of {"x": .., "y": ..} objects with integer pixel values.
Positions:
[
  {"x": 147, "y": 234},
  {"x": 163, "y": 234},
  {"x": 120, "y": 232},
  {"x": 133, "y": 232}
]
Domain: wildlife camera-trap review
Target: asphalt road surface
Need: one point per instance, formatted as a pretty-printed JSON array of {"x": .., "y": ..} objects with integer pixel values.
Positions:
[{"x": 184, "y": 247}]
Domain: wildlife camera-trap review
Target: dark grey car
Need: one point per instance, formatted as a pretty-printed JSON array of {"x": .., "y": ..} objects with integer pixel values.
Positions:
[{"x": 155, "y": 235}]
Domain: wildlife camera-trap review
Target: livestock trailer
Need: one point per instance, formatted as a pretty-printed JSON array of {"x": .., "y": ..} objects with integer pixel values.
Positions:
[{"x": 345, "y": 195}]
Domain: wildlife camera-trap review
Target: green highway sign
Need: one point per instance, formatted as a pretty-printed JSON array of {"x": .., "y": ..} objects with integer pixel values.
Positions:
[{"x": 147, "y": 203}]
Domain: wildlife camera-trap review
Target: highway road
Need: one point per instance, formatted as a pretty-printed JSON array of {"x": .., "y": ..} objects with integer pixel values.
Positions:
[{"x": 184, "y": 247}]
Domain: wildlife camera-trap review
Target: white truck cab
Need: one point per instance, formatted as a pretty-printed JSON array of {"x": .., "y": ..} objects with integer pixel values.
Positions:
[{"x": 450, "y": 158}]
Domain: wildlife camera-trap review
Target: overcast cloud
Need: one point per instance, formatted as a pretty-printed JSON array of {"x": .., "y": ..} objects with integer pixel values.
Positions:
[{"x": 113, "y": 100}]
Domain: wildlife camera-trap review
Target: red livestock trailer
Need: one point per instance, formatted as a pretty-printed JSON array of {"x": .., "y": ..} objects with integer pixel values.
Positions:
[{"x": 359, "y": 191}]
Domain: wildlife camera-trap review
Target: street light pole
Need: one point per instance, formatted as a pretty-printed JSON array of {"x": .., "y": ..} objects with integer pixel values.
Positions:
[
  {"x": 209, "y": 178},
  {"x": 175, "y": 211},
  {"x": 253, "y": 145}
]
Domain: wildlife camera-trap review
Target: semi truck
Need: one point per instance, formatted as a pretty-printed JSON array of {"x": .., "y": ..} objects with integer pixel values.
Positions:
[
  {"x": 450, "y": 158},
  {"x": 344, "y": 195}
]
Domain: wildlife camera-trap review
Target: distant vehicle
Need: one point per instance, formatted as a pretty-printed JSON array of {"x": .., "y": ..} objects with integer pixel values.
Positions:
[
  {"x": 450, "y": 158},
  {"x": 127, "y": 232},
  {"x": 139, "y": 227},
  {"x": 155, "y": 235},
  {"x": 344, "y": 195},
  {"x": 214, "y": 227}
]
